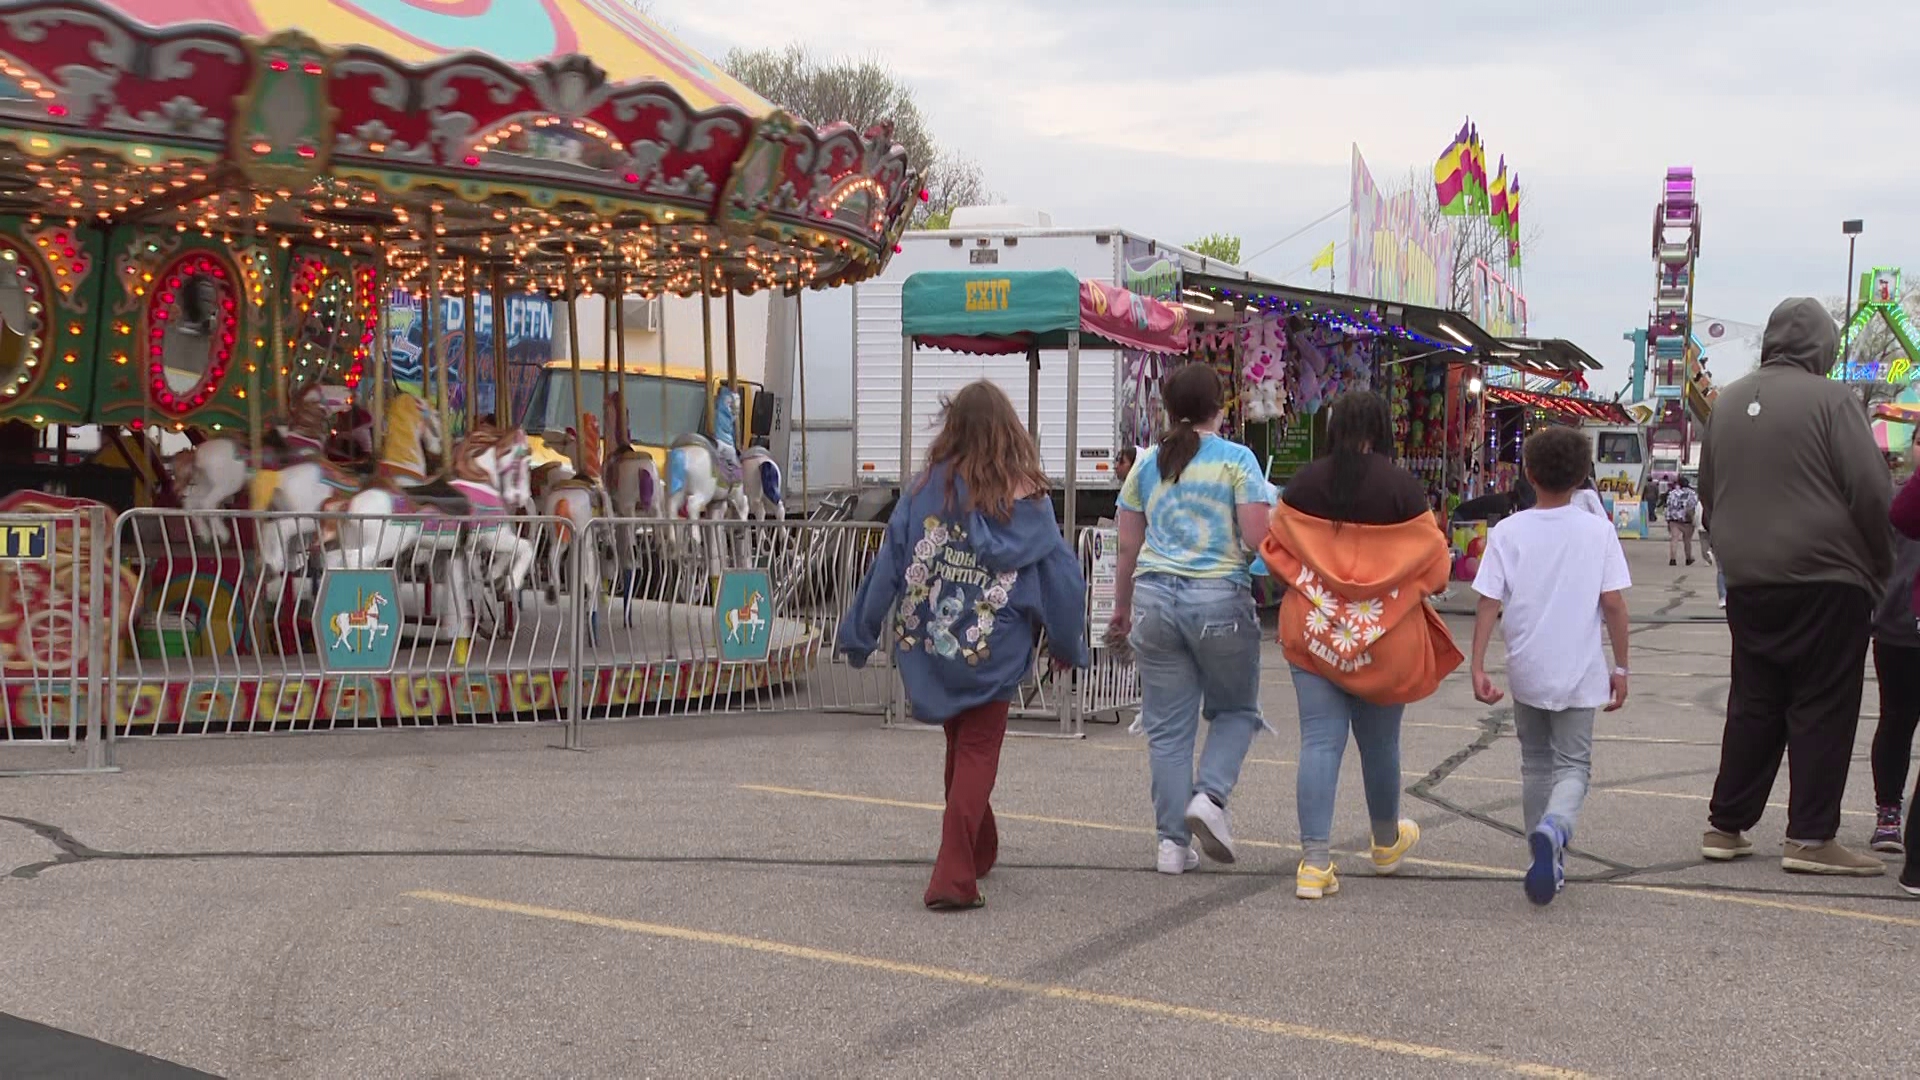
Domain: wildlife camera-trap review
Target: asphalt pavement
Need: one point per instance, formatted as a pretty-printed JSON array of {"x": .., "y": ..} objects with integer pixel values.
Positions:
[{"x": 740, "y": 897}]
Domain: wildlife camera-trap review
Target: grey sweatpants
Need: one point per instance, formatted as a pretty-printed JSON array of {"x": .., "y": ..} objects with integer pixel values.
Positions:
[{"x": 1556, "y": 760}]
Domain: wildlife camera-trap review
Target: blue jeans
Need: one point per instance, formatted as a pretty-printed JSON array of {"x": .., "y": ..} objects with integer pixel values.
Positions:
[
  {"x": 1327, "y": 713},
  {"x": 1556, "y": 760},
  {"x": 1196, "y": 644}
]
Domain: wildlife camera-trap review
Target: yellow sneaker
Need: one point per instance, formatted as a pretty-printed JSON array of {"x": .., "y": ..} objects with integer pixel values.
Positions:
[
  {"x": 1387, "y": 859},
  {"x": 1312, "y": 883}
]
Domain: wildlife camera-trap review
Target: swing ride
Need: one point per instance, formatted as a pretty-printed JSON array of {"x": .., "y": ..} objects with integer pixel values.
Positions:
[{"x": 206, "y": 215}]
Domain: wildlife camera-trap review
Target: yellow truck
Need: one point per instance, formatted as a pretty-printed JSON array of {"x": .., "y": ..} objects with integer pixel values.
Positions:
[{"x": 658, "y": 410}]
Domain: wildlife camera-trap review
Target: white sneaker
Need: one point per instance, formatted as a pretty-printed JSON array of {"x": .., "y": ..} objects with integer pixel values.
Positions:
[
  {"x": 1175, "y": 859},
  {"x": 1212, "y": 829}
]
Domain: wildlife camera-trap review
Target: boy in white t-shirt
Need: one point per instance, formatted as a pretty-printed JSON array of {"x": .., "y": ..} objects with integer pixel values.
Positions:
[{"x": 1558, "y": 573}]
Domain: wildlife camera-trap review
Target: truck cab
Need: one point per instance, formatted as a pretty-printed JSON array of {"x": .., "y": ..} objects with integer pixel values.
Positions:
[{"x": 659, "y": 410}]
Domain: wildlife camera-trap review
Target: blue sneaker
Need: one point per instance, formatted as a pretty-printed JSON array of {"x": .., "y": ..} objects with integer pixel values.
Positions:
[{"x": 1547, "y": 876}]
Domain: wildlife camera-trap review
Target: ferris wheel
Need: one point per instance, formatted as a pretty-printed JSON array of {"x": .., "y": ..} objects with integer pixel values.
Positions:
[{"x": 1682, "y": 391}]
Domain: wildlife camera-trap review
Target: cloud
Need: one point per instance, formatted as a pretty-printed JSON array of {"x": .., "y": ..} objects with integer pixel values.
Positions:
[{"x": 1177, "y": 120}]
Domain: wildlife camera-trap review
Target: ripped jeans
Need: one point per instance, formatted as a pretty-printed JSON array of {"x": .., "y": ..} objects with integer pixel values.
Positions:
[{"x": 1196, "y": 645}]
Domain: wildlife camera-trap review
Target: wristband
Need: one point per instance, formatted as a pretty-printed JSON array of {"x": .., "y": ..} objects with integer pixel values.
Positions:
[{"x": 1622, "y": 672}]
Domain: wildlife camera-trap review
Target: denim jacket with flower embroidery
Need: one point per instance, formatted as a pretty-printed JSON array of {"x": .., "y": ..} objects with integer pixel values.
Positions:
[{"x": 973, "y": 596}]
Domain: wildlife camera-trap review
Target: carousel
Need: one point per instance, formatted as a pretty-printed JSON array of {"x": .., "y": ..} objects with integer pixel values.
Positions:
[{"x": 206, "y": 212}]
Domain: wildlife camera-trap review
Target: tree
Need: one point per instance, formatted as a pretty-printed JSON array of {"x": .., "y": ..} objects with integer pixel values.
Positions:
[
  {"x": 1222, "y": 246},
  {"x": 1475, "y": 237},
  {"x": 864, "y": 93}
]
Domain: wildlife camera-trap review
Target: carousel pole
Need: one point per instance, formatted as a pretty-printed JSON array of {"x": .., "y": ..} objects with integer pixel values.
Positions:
[
  {"x": 502, "y": 401},
  {"x": 433, "y": 328},
  {"x": 255, "y": 423},
  {"x": 620, "y": 364},
  {"x": 665, "y": 436},
  {"x": 382, "y": 352},
  {"x": 613, "y": 394},
  {"x": 706, "y": 334},
  {"x": 800, "y": 342},
  {"x": 733, "y": 375},
  {"x": 278, "y": 351},
  {"x": 579, "y": 403},
  {"x": 279, "y": 360},
  {"x": 470, "y": 315}
]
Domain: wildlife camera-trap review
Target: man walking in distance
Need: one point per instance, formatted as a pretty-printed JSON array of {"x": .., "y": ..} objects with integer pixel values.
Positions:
[
  {"x": 1681, "y": 503},
  {"x": 1796, "y": 497}
]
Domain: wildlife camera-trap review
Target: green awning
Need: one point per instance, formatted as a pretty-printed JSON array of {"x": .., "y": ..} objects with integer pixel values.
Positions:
[
  {"x": 959, "y": 303},
  {"x": 1011, "y": 311}
]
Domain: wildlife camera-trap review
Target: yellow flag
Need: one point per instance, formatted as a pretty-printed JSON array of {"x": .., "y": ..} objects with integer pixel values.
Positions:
[{"x": 1324, "y": 260}]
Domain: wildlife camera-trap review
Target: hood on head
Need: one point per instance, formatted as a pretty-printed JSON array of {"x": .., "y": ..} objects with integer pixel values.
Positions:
[{"x": 1801, "y": 333}]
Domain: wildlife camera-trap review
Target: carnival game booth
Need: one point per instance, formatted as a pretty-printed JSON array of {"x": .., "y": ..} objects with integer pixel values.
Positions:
[
  {"x": 1034, "y": 311},
  {"x": 205, "y": 211},
  {"x": 1287, "y": 351}
]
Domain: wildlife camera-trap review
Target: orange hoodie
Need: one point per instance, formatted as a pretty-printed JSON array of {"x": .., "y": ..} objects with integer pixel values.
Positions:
[{"x": 1356, "y": 609}]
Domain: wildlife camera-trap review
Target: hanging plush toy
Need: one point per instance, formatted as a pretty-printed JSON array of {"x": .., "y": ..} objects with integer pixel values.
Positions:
[{"x": 1311, "y": 364}]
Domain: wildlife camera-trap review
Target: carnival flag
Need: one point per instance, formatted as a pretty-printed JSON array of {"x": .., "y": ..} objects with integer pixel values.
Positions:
[
  {"x": 1476, "y": 173},
  {"x": 1450, "y": 177},
  {"x": 1324, "y": 260},
  {"x": 1513, "y": 221},
  {"x": 1497, "y": 198}
]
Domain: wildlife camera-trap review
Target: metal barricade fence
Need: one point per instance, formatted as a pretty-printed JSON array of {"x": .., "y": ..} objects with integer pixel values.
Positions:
[
  {"x": 271, "y": 622},
  {"x": 1109, "y": 688},
  {"x": 55, "y": 615},
  {"x": 266, "y": 622},
  {"x": 724, "y": 617}
]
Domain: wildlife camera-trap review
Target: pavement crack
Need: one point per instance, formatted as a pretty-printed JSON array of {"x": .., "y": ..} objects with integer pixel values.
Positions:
[
  {"x": 72, "y": 850},
  {"x": 1492, "y": 726}
]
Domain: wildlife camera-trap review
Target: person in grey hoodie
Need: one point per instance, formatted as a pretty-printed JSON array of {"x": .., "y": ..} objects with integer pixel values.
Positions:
[{"x": 1796, "y": 497}]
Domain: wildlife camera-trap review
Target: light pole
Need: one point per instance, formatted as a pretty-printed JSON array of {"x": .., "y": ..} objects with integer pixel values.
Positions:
[{"x": 1852, "y": 230}]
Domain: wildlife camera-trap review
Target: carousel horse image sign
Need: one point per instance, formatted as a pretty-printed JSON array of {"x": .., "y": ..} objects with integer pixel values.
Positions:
[
  {"x": 745, "y": 615},
  {"x": 356, "y": 621}
]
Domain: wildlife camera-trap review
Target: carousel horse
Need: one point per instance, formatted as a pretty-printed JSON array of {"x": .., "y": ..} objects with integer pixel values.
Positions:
[
  {"x": 315, "y": 485},
  {"x": 214, "y": 472},
  {"x": 763, "y": 486},
  {"x": 491, "y": 479},
  {"x": 633, "y": 491},
  {"x": 577, "y": 499},
  {"x": 703, "y": 472}
]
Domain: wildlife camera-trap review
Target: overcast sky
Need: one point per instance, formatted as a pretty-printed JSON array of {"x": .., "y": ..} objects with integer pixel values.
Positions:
[{"x": 1178, "y": 119}]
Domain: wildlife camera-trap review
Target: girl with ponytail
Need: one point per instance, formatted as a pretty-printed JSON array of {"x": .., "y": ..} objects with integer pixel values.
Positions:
[{"x": 1192, "y": 508}]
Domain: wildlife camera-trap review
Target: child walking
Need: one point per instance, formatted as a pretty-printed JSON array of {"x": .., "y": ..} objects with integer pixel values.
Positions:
[
  {"x": 975, "y": 560},
  {"x": 1551, "y": 576}
]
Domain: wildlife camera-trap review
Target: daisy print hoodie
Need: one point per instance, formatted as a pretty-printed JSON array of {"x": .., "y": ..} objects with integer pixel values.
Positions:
[
  {"x": 1356, "y": 611},
  {"x": 973, "y": 595}
]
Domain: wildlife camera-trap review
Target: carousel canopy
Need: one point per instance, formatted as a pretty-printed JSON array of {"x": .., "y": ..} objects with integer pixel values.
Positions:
[
  {"x": 627, "y": 45},
  {"x": 557, "y": 141},
  {"x": 1015, "y": 311}
]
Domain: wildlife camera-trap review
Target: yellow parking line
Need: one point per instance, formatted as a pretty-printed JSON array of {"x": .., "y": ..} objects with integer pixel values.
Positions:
[
  {"x": 979, "y": 980},
  {"x": 1781, "y": 905},
  {"x": 1103, "y": 826}
]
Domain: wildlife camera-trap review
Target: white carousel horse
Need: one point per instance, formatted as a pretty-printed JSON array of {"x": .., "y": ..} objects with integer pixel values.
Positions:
[
  {"x": 211, "y": 474},
  {"x": 763, "y": 485},
  {"x": 491, "y": 479},
  {"x": 309, "y": 487},
  {"x": 633, "y": 483},
  {"x": 703, "y": 472},
  {"x": 577, "y": 499}
]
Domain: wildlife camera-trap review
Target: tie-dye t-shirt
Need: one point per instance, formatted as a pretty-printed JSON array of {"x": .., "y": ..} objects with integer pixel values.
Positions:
[{"x": 1193, "y": 530}]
